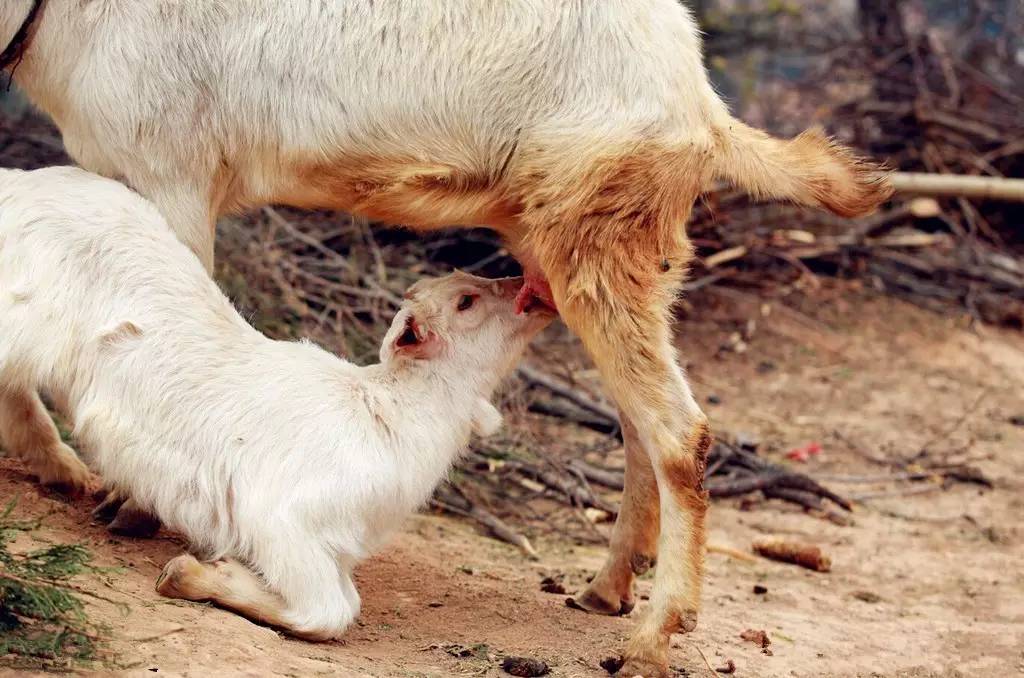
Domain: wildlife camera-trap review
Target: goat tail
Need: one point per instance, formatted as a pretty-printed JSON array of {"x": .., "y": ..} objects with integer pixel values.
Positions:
[{"x": 811, "y": 169}]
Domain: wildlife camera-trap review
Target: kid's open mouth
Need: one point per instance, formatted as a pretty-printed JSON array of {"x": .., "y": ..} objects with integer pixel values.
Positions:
[
  {"x": 530, "y": 300},
  {"x": 535, "y": 295},
  {"x": 530, "y": 303}
]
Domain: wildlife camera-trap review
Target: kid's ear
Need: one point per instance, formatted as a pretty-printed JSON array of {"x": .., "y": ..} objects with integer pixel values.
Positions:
[
  {"x": 416, "y": 341},
  {"x": 486, "y": 418}
]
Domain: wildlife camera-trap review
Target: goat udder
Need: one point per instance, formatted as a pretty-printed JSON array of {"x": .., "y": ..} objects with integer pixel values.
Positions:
[{"x": 535, "y": 290}]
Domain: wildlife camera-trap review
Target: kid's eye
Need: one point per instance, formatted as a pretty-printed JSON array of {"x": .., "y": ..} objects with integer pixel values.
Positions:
[{"x": 466, "y": 301}]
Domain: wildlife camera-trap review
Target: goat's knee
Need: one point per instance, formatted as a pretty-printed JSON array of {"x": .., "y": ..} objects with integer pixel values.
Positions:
[
  {"x": 185, "y": 578},
  {"x": 321, "y": 610},
  {"x": 326, "y": 621},
  {"x": 310, "y": 598},
  {"x": 233, "y": 586}
]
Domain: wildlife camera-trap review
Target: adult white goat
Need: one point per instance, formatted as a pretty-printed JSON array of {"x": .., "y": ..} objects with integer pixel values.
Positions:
[
  {"x": 583, "y": 132},
  {"x": 285, "y": 460}
]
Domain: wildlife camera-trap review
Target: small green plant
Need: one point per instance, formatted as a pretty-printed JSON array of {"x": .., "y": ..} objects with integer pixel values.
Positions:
[{"x": 42, "y": 617}]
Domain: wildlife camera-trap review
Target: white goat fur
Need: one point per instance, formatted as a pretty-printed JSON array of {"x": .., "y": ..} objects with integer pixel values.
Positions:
[{"x": 277, "y": 454}]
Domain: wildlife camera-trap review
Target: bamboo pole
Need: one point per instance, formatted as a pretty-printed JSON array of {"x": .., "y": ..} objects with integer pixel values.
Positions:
[{"x": 959, "y": 186}]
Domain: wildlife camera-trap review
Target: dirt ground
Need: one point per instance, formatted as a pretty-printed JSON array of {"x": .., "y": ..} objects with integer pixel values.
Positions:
[{"x": 927, "y": 582}]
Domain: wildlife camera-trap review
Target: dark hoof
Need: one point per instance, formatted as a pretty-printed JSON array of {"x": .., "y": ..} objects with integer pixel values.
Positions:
[
  {"x": 108, "y": 508},
  {"x": 590, "y": 602},
  {"x": 133, "y": 522}
]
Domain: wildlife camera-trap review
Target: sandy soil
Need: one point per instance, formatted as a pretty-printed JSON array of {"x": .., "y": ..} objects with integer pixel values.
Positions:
[{"x": 922, "y": 584}]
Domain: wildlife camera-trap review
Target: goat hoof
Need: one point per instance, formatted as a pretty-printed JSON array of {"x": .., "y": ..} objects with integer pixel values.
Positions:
[
  {"x": 594, "y": 603},
  {"x": 132, "y": 521},
  {"x": 642, "y": 667},
  {"x": 180, "y": 578},
  {"x": 107, "y": 509}
]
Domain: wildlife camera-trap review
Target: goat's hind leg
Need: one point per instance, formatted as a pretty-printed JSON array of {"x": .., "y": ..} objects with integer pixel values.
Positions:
[
  {"x": 637, "y": 362},
  {"x": 28, "y": 432},
  {"x": 614, "y": 254}
]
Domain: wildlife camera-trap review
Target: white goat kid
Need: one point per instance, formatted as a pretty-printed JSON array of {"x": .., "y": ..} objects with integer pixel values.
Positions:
[{"x": 274, "y": 454}]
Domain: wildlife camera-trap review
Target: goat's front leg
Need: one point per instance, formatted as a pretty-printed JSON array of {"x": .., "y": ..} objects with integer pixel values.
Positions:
[
  {"x": 227, "y": 583},
  {"x": 190, "y": 212},
  {"x": 634, "y": 543},
  {"x": 28, "y": 432}
]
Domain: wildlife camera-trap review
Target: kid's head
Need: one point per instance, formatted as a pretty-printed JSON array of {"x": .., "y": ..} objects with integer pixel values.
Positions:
[{"x": 464, "y": 322}]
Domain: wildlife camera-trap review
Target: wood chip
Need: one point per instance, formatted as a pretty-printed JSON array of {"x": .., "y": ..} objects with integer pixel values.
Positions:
[
  {"x": 728, "y": 669},
  {"x": 806, "y": 556},
  {"x": 725, "y": 256},
  {"x": 759, "y": 638}
]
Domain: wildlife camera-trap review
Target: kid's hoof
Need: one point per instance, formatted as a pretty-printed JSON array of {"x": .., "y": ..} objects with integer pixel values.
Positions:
[
  {"x": 182, "y": 578},
  {"x": 107, "y": 509},
  {"x": 594, "y": 603},
  {"x": 132, "y": 521}
]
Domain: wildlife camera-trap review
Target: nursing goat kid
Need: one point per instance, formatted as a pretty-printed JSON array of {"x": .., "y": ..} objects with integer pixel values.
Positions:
[
  {"x": 282, "y": 462},
  {"x": 582, "y": 132}
]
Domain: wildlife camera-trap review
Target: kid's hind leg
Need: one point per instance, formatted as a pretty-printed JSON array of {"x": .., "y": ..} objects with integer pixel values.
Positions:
[
  {"x": 233, "y": 586},
  {"x": 28, "y": 432},
  {"x": 227, "y": 583}
]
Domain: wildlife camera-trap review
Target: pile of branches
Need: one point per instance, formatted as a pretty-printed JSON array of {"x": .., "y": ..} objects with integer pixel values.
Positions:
[
  {"x": 948, "y": 101},
  {"x": 925, "y": 97},
  {"x": 497, "y": 474},
  {"x": 501, "y": 478}
]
